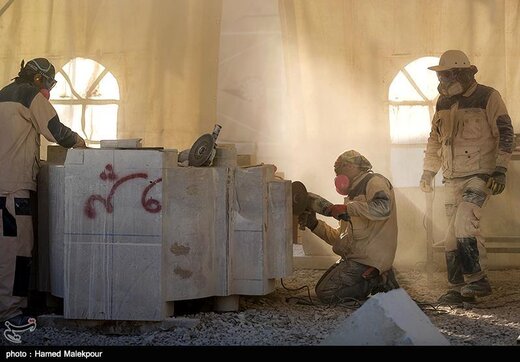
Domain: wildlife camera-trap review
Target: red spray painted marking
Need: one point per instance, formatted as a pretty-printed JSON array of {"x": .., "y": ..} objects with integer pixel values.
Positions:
[{"x": 151, "y": 205}]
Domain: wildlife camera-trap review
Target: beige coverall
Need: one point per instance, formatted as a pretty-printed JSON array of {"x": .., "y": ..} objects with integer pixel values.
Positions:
[
  {"x": 25, "y": 114},
  {"x": 471, "y": 135},
  {"x": 372, "y": 243}
]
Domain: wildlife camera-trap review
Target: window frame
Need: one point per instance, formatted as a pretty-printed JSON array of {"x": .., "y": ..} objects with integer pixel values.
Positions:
[
  {"x": 85, "y": 102},
  {"x": 425, "y": 102}
]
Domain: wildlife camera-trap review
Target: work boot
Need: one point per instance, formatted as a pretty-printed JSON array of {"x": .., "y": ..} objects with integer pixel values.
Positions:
[
  {"x": 385, "y": 283},
  {"x": 391, "y": 282},
  {"x": 454, "y": 298},
  {"x": 19, "y": 320},
  {"x": 480, "y": 288},
  {"x": 453, "y": 264}
]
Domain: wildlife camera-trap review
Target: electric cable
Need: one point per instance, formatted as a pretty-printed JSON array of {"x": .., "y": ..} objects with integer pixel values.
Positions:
[{"x": 296, "y": 290}]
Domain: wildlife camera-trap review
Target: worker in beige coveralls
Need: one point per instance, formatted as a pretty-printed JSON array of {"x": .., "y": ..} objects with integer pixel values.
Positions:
[
  {"x": 367, "y": 242},
  {"x": 471, "y": 139},
  {"x": 25, "y": 114}
]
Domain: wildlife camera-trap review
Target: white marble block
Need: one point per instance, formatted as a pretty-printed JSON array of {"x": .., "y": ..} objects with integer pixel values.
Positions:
[
  {"x": 195, "y": 232},
  {"x": 249, "y": 259},
  {"x": 129, "y": 232},
  {"x": 279, "y": 229},
  {"x": 51, "y": 216},
  {"x": 113, "y": 234}
]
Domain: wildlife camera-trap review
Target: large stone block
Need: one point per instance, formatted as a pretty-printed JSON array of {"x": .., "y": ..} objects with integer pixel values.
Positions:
[
  {"x": 279, "y": 229},
  {"x": 129, "y": 232},
  {"x": 196, "y": 231},
  {"x": 113, "y": 234},
  {"x": 248, "y": 231}
]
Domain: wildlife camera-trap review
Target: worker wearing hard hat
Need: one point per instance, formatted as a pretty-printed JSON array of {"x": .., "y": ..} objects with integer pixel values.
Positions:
[
  {"x": 471, "y": 139},
  {"x": 26, "y": 113}
]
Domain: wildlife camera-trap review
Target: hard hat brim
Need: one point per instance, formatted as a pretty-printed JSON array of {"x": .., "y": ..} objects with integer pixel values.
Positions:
[{"x": 441, "y": 68}]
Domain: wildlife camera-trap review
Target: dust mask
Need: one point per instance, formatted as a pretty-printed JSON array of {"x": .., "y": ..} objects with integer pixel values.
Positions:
[
  {"x": 451, "y": 88},
  {"x": 342, "y": 183}
]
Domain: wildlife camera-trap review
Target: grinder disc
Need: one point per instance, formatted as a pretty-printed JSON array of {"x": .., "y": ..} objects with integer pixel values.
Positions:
[
  {"x": 299, "y": 197},
  {"x": 202, "y": 151}
]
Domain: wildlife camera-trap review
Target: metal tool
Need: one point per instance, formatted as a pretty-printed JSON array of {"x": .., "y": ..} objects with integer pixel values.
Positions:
[
  {"x": 204, "y": 149},
  {"x": 299, "y": 197},
  {"x": 302, "y": 201}
]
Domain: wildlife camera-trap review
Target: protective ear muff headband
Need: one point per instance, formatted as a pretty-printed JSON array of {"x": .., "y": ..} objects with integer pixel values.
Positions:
[
  {"x": 49, "y": 82},
  {"x": 36, "y": 67}
]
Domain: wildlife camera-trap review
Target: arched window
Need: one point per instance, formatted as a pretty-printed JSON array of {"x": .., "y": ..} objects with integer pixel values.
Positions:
[
  {"x": 411, "y": 97},
  {"x": 86, "y": 98}
]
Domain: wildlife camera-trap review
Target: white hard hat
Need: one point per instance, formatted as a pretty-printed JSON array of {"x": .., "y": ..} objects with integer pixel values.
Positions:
[{"x": 452, "y": 59}]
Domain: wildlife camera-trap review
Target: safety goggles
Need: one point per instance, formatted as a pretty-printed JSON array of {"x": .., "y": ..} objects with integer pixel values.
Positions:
[
  {"x": 447, "y": 75},
  {"x": 49, "y": 82},
  {"x": 338, "y": 166}
]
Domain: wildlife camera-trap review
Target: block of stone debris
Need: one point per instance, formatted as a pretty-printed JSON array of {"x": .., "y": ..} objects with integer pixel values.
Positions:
[{"x": 387, "y": 319}]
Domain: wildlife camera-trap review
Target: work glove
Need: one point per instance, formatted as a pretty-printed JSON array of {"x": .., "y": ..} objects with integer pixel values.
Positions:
[
  {"x": 308, "y": 219},
  {"x": 497, "y": 182},
  {"x": 80, "y": 142},
  {"x": 426, "y": 181},
  {"x": 339, "y": 212}
]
